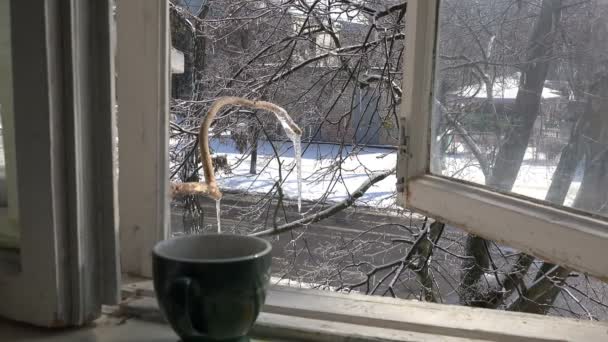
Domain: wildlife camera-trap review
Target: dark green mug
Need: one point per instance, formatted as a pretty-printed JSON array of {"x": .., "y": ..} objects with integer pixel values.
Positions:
[{"x": 211, "y": 287}]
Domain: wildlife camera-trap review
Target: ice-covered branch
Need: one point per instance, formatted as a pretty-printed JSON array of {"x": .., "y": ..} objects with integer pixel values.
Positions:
[
  {"x": 210, "y": 187},
  {"x": 335, "y": 52},
  {"x": 349, "y": 201}
]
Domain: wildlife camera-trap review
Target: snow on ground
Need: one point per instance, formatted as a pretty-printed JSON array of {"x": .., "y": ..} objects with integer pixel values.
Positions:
[
  {"x": 319, "y": 159},
  {"x": 304, "y": 285},
  {"x": 505, "y": 88},
  {"x": 318, "y": 166},
  {"x": 533, "y": 180}
]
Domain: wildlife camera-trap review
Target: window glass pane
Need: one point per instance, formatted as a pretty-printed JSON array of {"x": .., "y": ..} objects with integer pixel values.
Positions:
[
  {"x": 520, "y": 98},
  {"x": 346, "y": 102},
  {"x": 8, "y": 230},
  {"x": 339, "y": 77}
]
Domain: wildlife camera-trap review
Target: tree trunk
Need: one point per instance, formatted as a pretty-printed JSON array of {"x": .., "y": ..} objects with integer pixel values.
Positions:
[
  {"x": 527, "y": 103},
  {"x": 568, "y": 161},
  {"x": 473, "y": 269},
  {"x": 254, "y": 158},
  {"x": 543, "y": 292},
  {"x": 562, "y": 179},
  {"x": 592, "y": 133},
  {"x": 192, "y": 44},
  {"x": 523, "y": 115},
  {"x": 592, "y": 195},
  {"x": 425, "y": 252},
  {"x": 254, "y": 135}
]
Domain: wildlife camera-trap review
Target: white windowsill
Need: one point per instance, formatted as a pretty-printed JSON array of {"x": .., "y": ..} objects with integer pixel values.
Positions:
[{"x": 312, "y": 315}]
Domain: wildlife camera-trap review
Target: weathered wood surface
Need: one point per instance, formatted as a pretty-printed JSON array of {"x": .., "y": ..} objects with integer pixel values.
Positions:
[{"x": 311, "y": 315}]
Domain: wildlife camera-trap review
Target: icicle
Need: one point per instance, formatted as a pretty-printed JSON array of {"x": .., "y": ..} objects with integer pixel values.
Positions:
[
  {"x": 218, "y": 214},
  {"x": 297, "y": 150},
  {"x": 297, "y": 146},
  {"x": 295, "y": 138},
  {"x": 360, "y": 107}
]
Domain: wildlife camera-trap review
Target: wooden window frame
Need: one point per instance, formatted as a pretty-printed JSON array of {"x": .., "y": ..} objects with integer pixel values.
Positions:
[
  {"x": 314, "y": 315},
  {"x": 289, "y": 313},
  {"x": 142, "y": 85},
  {"x": 564, "y": 236},
  {"x": 65, "y": 266},
  {"x": 9, "y": 210},
  {"x": 510, "y": 219}
]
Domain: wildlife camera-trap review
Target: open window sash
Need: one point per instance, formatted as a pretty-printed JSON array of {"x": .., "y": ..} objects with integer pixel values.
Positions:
[
  {"x": 566, "y": 237},
  {"x": 63, "y": 265}
]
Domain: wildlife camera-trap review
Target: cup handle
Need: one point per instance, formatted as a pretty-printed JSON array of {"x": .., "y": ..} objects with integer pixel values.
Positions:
[{"x": 182, "y": 288}]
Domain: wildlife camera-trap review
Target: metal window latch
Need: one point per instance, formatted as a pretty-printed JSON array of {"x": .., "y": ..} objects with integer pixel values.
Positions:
[
  {"x": 403, "y": 137},
  {"x": 400, "y": 184},
  {"x": 402, "y": 155}
]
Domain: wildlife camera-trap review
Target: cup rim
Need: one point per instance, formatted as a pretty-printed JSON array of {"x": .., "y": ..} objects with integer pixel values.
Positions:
[{"x": 157, "y": 249}]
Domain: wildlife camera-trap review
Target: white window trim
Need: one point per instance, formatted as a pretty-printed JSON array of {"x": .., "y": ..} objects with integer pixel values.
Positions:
[
  {"x": 9, "y": 214},
  {"x": 521, "y": 223},
  {"x": 313, "y": 315},
  {"x": 143, "y": 48},
  {"x": 302, "y": 314},
  {"x": 64, "y": 130},
  {"x": 562, "y": 236}
]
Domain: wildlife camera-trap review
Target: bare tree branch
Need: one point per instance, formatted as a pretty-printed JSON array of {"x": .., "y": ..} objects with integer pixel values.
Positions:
[{"x": 329, "y": 211}]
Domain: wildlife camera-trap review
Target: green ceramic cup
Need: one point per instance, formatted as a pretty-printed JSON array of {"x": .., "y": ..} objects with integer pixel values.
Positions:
[{"x": 211, "y": 287}]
